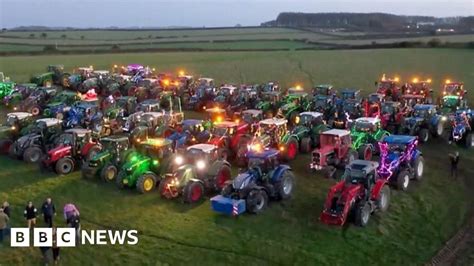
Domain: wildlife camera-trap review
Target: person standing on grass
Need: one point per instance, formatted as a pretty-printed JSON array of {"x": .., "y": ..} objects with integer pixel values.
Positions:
[
  {"x": 30, "y": 214},
  {"x": 3, "y": 224},
  {"x": 49, "y": 210},
  {"x": 69, "y": 211},
  {"x": 454, "y": 158}
]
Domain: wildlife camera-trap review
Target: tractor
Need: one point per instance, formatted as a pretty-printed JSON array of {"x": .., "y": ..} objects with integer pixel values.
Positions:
[
  {"x": 450, "y": 104},
  {"x": 73, "y": 147},
  {"x": 252, "y": 117},
  {"x": 295, "y": 102},
  {"x": 366, "y": 133},
  {"x": 358, "y": 195},
  {"x": 225, "y": 95},
  {"x": 419, "y": 87},
  {"x": 270, "y": 134},
  {"x": 269, "y": 104},
  {"x": 76, "y": 80},
  {"x": 423, "y": 121},
  {"x": 269, "y": 87},
  {"x": 201, "y": 170},
  {"x": 203, "y": 96},
  {"x": 454, "y": 88},
  {"x": 149, "y": 124},
  {"x": 60, "y": 104},
  {"x": 462, "y": 125},
  {"x": 305, "y": 134},
  {"x": 392, "y": 115},
  {"x": 32, "y": 146},
  {"x": 6, "y": 86},
  {"x": 16, "y": 124},
  {"x": 372, "y": 105},
  {"x": 400, "y": 161},
  {"x": 335, "y": 151},
  {"x": 148, "y": 166},
  {"x": 83, "y": 114},
  {"x": 326, "y": 105},
  {"x": 36, "y": 101},
  {"x": 231, "y": 139},
  {"x": 115, "y": 150},
  {"x": 324, "y": 89},
  {"x": 251, "y": 190},
  {"x": 43, "y": 80},
  {"x": 190, "y": 132},
  {"x": 150, "y": 105},
  {"x": 18, "y": 94},
  {"x": 349, "y": 94},
  {"x": 389, "y": 87},
  {"x": 346, "y": 113}
]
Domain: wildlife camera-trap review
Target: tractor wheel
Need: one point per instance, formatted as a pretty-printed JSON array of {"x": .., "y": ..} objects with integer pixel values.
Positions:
[
  {"x": 146, "y": 183},
  {"x": 469, "y": 140},
  {"x": 403, "y": 180},
  {"x": 384, "y": 199},
  {"x": 92, "y": 152},
  {"x": 362, "y": 214},
  {"x": 109, "y": 173},
  {"x": 13, "y": 151},
  {"x": 257, "y": 201},
  {"x": 5, "y": 146},
  {"x": 223, "y": 175},
  {"x": 365, "y": 152},
  {"x": 165, "y": 190},
  {"x": 291, "y": 149},
  {"x": 424, "y": 135},
  {"x": 285, "y": 186},
  {"x": 32, "y": 155},
  {"x": 35, "y": 110},
  {"x": 418, "y": 167},
  {"x": 64, "y": 166},
  {"x": 223, "y": 154},
  {"x": 305, "y": 146},
  {"x": 120, "y": 178},
  {"x": 193, "y": 192},
  {"x": 439, "y": 129}
]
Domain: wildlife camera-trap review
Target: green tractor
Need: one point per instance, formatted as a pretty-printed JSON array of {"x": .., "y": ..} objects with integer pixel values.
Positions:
[
  {"x": 295, "y": 102},
  {"x": 450, "y": 104},
  {"x": 115, "y": 150},
  {"x": 199, "y": 171},
  {"x": 366, "y": 133},
  {"x": 147, "y": 167},
  {"x": 6, "y": 86},
  {"x": 270, "y": 134},
  {"x": 269, "y": 103},
  {"x": 16, "y": 125},
  {"x": 54, "y": 75},
  {"x": 305, "y": 134}
]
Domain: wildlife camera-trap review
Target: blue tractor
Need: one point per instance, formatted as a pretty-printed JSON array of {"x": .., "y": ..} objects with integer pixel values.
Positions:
[
  {"x": 83, "y": 114},
  {"x": 250, "y": 191},
  {"x": 400, "y": 160},
  {"x": 423, "y": 122},
  {"x": 191, "y": 132},
  {"x": 462, "y": 126}
]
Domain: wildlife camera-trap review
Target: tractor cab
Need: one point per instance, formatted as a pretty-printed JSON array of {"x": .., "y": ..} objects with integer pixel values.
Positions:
[
  {"x": 151, "y": 119},
  {"x": 424, "y": 111},
  {"x": 295, "y": 90},
  {"x": 207, "y": 82},
  {"x": 226, "y": 91},
  {"x": 334, "y": 151},
  {"x": 454, "y": 88},
  {"x": 84, "y": 72},
  {"x": 418, "y": 87},
  {"x": 367, "y": 124},
  {"x": 47, "y": 126},
  {"x": 224, "y": 129},
  {"x": 410, "y": 100},
  {"x": 150, "y": 105},
  {"x": 389, "y": 87},
  {"x": 75, "y": 138},
  {"x": 215, "y": 114},
  {"x": 451, "y": 103},
  {"x": 115, "y": 143},
  {"x": 309, "y": 119},
  {"x": 18, "y": 120},
  {"x": 270, "y": 87},
  {"x": 251, "y": 116},
  {"x": 350, "y": 94},
  {"x": 322, "y": 103},
  {"x": 361, "y": 172},
  {"x": 155, "y": 148},
  {"x": 201, "y": 155},
  {"x": 272, "y": 97},
  {"x": 269, "y": 133},
  {"x": 324, "y": 89},
  {"x": 263, "y": 162}
]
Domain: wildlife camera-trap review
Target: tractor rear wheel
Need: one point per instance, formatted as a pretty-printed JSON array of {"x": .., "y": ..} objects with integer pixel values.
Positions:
[
  {"x": 362, "y": 214},
  {"x": 92, "y": 152},
  {"x": 439, "y": 129},
  {"x": 166, "y": 190},
  {"x": 120, "y": 178},
  {"x": 383, "y": 200},
  {"x": 35, "y": 110},
  {"x": 424, "y": 135},
  {"x": 305, "y": 145},
  {"x": 403, "y": 180},
  {"x": 469, "y": 140},
  {"x": 193, "y": 192},
  {"x": 222, "y": 176},
  {"x": 146, "y": 183},
  {"x": 32, "y": 155},
  {"x": 291, "y": 149},
  {"x": 13, "y": 151},
  {"x": 418, "y": 167},
  {"x": 64, "y": 166},
  {"x": 365, "y": 152},
  {"x": 5, "y": 146},
  {"x": 109, "y": 173},
  {"x": 257, "y": 201},
  {"x": 285, "y": 186}
]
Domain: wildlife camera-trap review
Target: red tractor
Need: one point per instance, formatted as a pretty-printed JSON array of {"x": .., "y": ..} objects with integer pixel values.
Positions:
[
  {"x": 232, "y": 139},
  {"x": 389, "y": 87},
  {"x": 72, "y": 147},
  {"x": 372, "y": 104},
  {"x": 361, "y": 192},
  {"x": 392, "y": 115},
  {"x": 454, "y": 88},
  {"x": 335, "y": 151},
  {"x": 419, "y": 87}
]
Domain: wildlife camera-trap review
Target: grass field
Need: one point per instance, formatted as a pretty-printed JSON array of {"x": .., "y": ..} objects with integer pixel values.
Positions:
[{"x": 415, "y": 227}]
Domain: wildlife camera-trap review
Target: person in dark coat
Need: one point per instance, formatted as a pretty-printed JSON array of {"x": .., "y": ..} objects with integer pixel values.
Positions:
[
  {"x": 49, "y": 210},
  {"x": 30, "y": 214},
  {"x": 454, "y": 159}
]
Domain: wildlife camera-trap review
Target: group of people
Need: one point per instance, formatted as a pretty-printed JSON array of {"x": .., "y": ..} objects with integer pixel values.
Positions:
[{"x": 48, "y": 211}]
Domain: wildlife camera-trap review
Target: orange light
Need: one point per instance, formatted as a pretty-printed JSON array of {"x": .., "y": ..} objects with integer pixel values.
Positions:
[
  {"x": 138, "y": 140},
  {"x": 397, "y": 79},
  {"x": 181, "y": 73},
  {"x": 298, "y": 87},
  {"x": 166, "y": 82},
  {"x": 219, "y": 119},
  {"x": 429, "y": 81},
  {"x": 448, "y": 81},
  {"x": 257, "y": 147},
  {"x": 115, "y": 66},
  {"x": 282, "y": 148},
  {"x": 237, "y": 121},
  {"x": 415, "y": 80},
  {"x": 458, "y": 93},
  {"x": 204, "y": 107},
  {"x": 444, "y": 92}
]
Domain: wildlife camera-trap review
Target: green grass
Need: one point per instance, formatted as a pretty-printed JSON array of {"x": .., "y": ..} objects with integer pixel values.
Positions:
[{"x": 415, "y": 227}]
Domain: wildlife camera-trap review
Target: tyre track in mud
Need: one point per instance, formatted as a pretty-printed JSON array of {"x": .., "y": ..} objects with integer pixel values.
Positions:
[
  {"x": 300, "y": 67},
  {"x": 181, "y": 243}
]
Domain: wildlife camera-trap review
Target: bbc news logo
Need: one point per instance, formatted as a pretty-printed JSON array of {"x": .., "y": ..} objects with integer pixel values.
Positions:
[{"x": 67, "y": 237}]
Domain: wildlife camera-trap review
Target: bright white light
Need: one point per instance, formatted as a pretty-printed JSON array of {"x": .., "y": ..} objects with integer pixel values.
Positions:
[
  {"x": 200, "y": 164},
  {"x": 178, "y": 160}
]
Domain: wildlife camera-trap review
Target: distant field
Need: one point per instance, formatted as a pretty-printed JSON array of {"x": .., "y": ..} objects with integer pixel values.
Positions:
[{"x": 443, "y": 38}]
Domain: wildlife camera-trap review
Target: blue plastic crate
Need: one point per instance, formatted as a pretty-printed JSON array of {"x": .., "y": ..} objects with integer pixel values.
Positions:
[{"x": 225, "y": 205}]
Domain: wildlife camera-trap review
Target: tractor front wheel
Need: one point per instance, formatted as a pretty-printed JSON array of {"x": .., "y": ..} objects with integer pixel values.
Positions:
[
  {"x": 362, "y": 214},
  {"x": 403, "y": 180},
  {"x": 222, "y": 176},
  {"x": 92, "y": 152},
  {"x": 305, "y": 146},
  {"x": 384, "y": 199},
  {"x": 365, "y": 152},
  {"x": 120, "y": 178},
  {"x": 257, "y": 201},
  {"x": 285, "y": 186},
  {"x": 167, "y": 190},
  {"x": 291, "y": 150},
  {"x": 64, "y": 166},
  {"x": 418, "y": 167},
  {"x": 35, "y": 110},
  {"x": 424, "y": 135},
  {"x": 32, "y": 155},
  {"x": 13, "y": 150},
  {"x": 109, "y": 173},
  {"x": 193, "y": 192},
  {"x": 146, "y": 183}
]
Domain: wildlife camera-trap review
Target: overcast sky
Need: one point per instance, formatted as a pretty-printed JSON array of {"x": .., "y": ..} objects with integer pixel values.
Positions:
[{"x": 195, "y": 13}]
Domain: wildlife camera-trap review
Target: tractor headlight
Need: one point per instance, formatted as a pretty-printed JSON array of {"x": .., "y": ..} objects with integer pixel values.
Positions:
[
  {"x": 444, "y": 118},
  {"x": 179, "y": 160},
  {"x": 200, "y": 164}
]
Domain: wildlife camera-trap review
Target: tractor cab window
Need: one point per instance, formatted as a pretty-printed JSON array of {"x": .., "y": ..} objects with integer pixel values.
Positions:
[
  {"x": 346, "y": 140},
  {"x": 194, "y": 155},
  {"x": 248, "y": 118},
  {"x": 256, "y": 163},
  {"x": 327, "y": 140},
  {"x": 450, "y": 102},
  {"x": 420, "y": 113},
  {"x": 397, "y": 148},
  {"x": 385, "y": 85},
  {"x": 364, "y": 126},
  {"x": 388, "y": 109},
  {"x": 220, "y": 131},
  {"x": 305, "y": 120},
  {"x": 66, "y": 139},
  {"x": 12, "y": 120}
]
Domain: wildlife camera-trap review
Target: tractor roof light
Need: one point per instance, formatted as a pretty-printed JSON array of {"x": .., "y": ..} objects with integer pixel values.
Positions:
[
  {"x": 448, "y": 81},
  {"x": 181, "y": 73},
  {"x": 397, "y": 79},
  {"x": 428, "y": 80},
  {"x": 415, "y": 80},
  {"x": 200, "y": 164}
]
